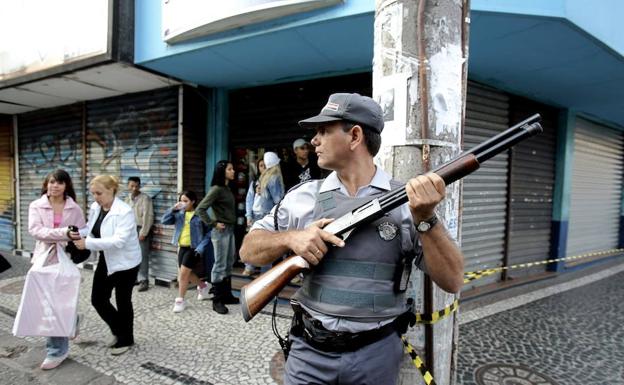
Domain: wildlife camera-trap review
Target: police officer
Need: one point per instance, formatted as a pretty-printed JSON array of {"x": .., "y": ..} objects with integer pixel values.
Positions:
[{"x": 351, "y": 308}]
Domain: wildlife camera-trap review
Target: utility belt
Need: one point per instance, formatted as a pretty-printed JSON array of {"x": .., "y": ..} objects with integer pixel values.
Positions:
[{"x": 315, "y": 334}]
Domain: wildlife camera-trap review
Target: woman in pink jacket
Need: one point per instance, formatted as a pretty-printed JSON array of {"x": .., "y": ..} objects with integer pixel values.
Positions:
[{"x": 48, "y": 221}]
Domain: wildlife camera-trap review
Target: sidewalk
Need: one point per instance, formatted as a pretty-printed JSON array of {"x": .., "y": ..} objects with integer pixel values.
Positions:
[{"x": 197, "y": 346}]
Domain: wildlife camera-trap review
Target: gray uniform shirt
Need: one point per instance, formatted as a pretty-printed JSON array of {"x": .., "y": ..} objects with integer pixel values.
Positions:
[{"x": 296, "y": 213}]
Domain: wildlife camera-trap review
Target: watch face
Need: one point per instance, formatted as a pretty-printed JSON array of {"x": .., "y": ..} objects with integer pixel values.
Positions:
[{"x": 423, "y": 226}]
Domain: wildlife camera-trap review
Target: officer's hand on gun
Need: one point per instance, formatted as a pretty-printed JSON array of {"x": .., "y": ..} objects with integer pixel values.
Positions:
[
  {"x": 312, "y": 242},
  {"x": 424, "y": 193}
]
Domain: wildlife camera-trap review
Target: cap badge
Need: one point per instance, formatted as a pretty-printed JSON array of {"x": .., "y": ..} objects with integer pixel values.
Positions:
[
  {"x": 387, "y": 231},
  {"x": 332, "y": 106}
]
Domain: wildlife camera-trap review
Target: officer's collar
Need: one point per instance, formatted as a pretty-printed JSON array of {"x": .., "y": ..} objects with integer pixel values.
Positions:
[{"x": 381, "y": 180}]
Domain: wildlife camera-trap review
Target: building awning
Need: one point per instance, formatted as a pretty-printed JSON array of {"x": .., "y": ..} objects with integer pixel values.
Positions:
[
  {"x": 538, "y": 53},
  {"x": 93, "y": 83},
  {"x": 549, "y": 59}
]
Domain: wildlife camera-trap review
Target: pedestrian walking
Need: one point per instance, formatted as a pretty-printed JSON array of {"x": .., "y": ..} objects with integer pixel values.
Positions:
[
  {"x": 49, "y": 218},
  {"x": 269, "y": 191},
  {"x": 351, "y": 309},
  {"x": 111, "y": 232},
  {"x": 221, "y": 200},
  {"x": 141, "y": 204},
  {"x": 192, "y": 236}
]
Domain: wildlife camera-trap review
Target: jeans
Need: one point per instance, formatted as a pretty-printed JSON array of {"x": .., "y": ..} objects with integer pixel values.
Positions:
[
  {"x": 57, "y": 346},
  {"x": 224, "y": 252},
  {"x": 119, "y": 320},
  {"x": 145, "y": 256}
]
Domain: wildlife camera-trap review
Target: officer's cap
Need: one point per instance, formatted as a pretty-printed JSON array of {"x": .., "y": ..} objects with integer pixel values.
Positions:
[{"x": 351, "y": 107}]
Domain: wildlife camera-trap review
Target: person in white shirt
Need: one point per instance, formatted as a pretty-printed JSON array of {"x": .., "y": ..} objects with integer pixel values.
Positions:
[{"x": 111, "y": 232}]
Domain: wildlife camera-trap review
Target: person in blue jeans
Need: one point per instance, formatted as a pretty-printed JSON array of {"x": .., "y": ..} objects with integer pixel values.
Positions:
[
  {"x": 49, "y": 218},
  {"x": 269, "y": 190},
  {"x": 192, "y": 236},
  {"x": 221, "y": 200}
]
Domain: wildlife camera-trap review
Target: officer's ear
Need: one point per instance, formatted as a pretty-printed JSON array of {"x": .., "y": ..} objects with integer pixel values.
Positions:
[{"x": 357, "y": 136}]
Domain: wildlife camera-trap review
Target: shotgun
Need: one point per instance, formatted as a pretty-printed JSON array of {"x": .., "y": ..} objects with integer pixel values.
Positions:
[{"x": 255, "y": 295}]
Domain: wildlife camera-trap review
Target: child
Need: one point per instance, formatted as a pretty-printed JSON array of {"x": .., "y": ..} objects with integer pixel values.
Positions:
[{"x": 192, "y": 237}]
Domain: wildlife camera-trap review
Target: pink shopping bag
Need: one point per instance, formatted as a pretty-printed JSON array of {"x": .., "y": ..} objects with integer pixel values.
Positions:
[{"x": 49, "y": 301}]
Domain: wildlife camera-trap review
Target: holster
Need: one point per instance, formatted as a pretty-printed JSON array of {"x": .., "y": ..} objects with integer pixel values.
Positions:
[
  {"x": 407, "y": 319},
  {"x": 315, "y": 334}
]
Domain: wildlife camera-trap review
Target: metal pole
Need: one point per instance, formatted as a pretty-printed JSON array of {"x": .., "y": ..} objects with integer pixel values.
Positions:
[
  {"x": 180, "y": 168},
  {"x": 419, "y": 78},
  {"x": 18, "y": 202}
]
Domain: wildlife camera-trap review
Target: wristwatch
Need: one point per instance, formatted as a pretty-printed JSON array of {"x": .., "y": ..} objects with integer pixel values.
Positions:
[{"x": 425, "y": 226}]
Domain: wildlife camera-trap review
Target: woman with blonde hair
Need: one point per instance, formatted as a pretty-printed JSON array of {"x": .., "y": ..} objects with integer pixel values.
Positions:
[
  {"x": 271, "y": 182},
  {"x": 111, "y": 231}
]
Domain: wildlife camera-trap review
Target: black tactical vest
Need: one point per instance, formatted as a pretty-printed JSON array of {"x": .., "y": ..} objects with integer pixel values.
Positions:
[{"x": 357, "y": 281}]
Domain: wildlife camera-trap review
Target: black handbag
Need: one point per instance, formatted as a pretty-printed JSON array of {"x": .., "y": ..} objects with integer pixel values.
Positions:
[
  {"x": 4, "y": 264},
  {"x": 76, "y": 255}
]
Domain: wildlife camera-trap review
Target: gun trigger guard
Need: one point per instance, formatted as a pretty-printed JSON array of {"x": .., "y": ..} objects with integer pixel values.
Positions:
[{"x": 346, "y": 235}]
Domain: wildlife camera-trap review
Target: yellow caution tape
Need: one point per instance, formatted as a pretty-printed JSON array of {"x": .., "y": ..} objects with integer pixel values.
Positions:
[
  {"x": 418, "y": 362},
  {"x": 474, "y": 275},
  {"x": 438, "y": 315},
  {"x": 471, "y": 276}
]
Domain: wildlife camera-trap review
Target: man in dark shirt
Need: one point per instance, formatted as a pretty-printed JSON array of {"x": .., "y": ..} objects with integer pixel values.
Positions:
[{"x": 301, "y": 168}]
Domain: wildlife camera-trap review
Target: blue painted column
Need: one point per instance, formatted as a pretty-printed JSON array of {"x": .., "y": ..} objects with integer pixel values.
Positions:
[
  {"x": 563, "y": 187},
  {"x": 218, "y": 134}
]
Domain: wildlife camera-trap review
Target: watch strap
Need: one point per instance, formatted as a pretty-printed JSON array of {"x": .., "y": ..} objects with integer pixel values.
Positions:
[{"x": 431, "y": 221}]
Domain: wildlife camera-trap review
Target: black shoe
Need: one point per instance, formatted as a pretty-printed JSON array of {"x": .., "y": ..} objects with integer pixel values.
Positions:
[
  {"x": 230, "y": 300},
  {"x": 227, "y": 296},
  {"x": 143, "y": 285},
  {"x": 219, "y": 307}
]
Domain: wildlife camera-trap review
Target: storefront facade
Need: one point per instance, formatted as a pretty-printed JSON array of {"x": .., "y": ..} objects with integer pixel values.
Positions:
[{"x": 251, "y": 81}]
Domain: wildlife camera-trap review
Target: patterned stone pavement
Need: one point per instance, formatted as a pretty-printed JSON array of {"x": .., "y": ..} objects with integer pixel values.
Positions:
[
  {"x": 196, "y": 346},
  {"x": 571, "y": 338},
  {"x": 568, "y": 338}
]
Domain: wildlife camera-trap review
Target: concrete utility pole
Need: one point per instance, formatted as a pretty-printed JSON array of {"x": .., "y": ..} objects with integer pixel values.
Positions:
[{"x": 419, "y": 78}]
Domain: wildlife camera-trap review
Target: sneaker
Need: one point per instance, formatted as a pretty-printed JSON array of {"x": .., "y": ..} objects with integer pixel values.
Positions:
[
  {"x": 203, "y": 293},
  {"x": 119, "y": 350},
  {"x": 143, "y": 286},
  {"x": 247, "y": 272},
  {"x": 179, "y": 305},
  {"x": 53, "y": 362},
  {"x": 112, "y": 342}
]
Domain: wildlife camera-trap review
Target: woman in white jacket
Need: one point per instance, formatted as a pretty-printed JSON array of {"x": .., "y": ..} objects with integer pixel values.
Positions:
[{"x": 111, "y": 231}]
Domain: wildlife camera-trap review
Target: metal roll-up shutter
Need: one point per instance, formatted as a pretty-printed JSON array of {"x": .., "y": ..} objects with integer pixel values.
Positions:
[
  {"x": 47, "y": 140},
  {"x": 596, "y": 196},
  {"x": 267, "y": 116},
  {"x": 194, "y": 149},
  {"x": 531, "y": 189},
  {"x": 136, "y": 135},
  {"x": 7, "y": 199},
  {"x": 485, "y": 191}
]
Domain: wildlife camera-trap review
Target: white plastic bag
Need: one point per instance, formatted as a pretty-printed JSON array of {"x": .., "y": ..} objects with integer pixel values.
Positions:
[{"x": 49, "y": 301}]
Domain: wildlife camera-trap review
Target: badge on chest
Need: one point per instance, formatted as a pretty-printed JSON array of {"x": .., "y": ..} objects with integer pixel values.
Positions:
[{"x": 387, "y": 231}]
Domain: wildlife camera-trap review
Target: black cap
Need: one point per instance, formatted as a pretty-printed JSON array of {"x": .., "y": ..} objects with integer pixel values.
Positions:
[{"x": 352, "y": 107}]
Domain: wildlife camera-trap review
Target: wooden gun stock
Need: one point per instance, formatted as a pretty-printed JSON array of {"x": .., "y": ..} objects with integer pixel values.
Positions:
[{"x": 257, "y": 294}]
